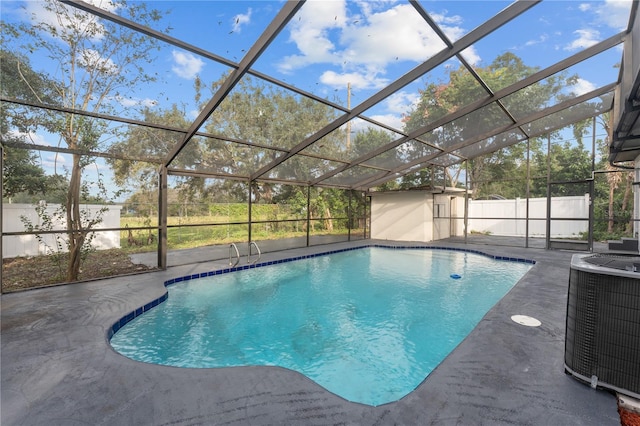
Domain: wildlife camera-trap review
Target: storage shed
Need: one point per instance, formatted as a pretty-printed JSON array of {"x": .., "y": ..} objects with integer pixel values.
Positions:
[{"x": 417, "y": 215}]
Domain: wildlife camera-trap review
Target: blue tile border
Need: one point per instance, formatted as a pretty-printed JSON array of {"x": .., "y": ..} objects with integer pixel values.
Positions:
[{"x": 139, "y": 311}]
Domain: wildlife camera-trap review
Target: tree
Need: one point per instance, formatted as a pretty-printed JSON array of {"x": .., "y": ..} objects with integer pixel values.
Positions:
[
  {"x": 97, "y": 62},
  {"x": 267, "y": 115},
  {"x": 254, "y": 111},
  {"x": 145, "y": 143},
  {"x": 569, "y": 162},
  {"x": 367, "y": 140},
  {"x": 21, "y": 174},
  {"x": 616, "y": 207},
  {"x": 429, "y": 177},
  {"x": 440, "y": 99},
  {"x": 20, "y": 170}
]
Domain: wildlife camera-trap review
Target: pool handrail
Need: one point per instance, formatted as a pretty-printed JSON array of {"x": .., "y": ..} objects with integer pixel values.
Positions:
[
  {"x": 234, "y": 246},
  {"x": 253, "y": 243}
]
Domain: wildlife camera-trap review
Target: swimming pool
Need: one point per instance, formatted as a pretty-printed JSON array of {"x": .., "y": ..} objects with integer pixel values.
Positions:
[{"x": 367, "y": 324}]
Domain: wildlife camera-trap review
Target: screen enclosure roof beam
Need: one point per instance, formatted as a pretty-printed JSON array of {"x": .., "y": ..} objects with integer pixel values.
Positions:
[{"x": 500, "y": 19}]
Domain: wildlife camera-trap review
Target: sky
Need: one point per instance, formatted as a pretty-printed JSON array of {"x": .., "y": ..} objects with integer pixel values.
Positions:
[
  {"x": 367, "y": 44},
  {"x": 370, "y": 44}
]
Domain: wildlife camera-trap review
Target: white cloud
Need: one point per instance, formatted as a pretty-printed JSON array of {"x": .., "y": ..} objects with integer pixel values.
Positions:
[
  {"x": 91, "y": 59},
  {"x": 586, "y": 38},
  {"x": 132, "y": 102},
  {"x": 542, "y": 39},
  {"x": 74, "y": 20},
  {"x": 358, "y": 80},
  {"x": 397, "y": 105},
  {"x": 186, "y": 64},
  {"x": 126, "y": 102},
  {"x": 615, "y": 13},
  {"x": 107, "y": 5},
  {"x": 470, "y": 55},
  {"x": 325, "y": 33},
  {"x": 99, "y": 166},
  {"x": 147, "y": 102},
  {"x": 612, "y": 13},
  {"x": 443, "y": 19},
  {"x": 582, "y": 86},
  {"x": 55, "y": 162},
  {"x": 402, "y": 102},
  {"x": 392, "y": 120},
  {"x": 30, "y": 137},
  {"x": 310, "y": 33},
  {"x": 584, "y": 7},
  {"x": 358, "y": 47},
  {"x": 359, "y": 125},
  {"x": 398, "y": 33},
  {"x": 241, "y": 19}
]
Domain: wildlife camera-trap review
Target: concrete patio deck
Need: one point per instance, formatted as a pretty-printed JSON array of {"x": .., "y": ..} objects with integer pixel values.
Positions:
[{"x": 57, "y": 367}]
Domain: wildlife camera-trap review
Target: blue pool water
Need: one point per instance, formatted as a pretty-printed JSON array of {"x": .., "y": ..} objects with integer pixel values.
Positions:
[{"x": 367, "y": 324}]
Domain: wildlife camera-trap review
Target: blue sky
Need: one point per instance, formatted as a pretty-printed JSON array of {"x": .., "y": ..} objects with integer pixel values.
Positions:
[
  {"x": 365, "y": 43},
  {"x": 370, "y": 44}
]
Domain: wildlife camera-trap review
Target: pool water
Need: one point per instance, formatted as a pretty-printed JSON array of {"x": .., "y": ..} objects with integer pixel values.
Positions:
[{"x": 368, "y": 325}]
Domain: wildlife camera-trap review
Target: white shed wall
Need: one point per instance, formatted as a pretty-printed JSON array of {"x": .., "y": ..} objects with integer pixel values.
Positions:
[{"x": 402, "y": 216}]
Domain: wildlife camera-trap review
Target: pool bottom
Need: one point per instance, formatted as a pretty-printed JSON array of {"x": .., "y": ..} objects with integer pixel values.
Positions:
[
  {"x": 325, "y": 333},
  {"x": 139, "y": 311}
]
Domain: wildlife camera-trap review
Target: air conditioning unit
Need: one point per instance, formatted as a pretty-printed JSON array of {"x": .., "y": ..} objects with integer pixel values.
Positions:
[{"x": 602, "y": 342}]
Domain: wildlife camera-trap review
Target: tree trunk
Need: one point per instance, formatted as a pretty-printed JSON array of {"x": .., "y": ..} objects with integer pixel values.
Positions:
[
  {"x": 267, "y": 195},
  {"x": 329, "y": 220},
  {"x": 613, "y": 179},
  {"x": 453, "y": 178},
  {"x": 474, "y": 176},
  {"x": 75, "y": 232},
  {"x": 611, "y": 192}
]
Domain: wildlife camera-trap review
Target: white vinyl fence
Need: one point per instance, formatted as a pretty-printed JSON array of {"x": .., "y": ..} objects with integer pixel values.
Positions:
[
  {"x": 28, "y": 245},
  {"x": 497, "y": 216}
]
